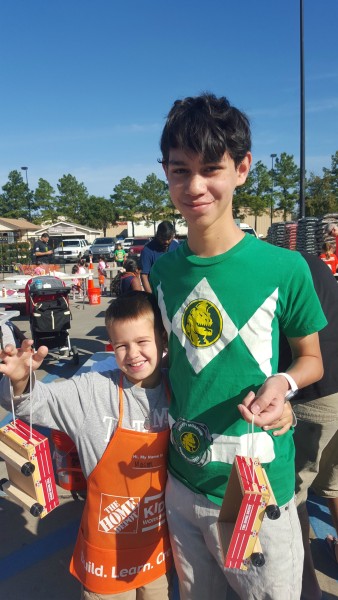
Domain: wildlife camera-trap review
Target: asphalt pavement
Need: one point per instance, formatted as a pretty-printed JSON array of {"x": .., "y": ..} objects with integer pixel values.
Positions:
[{"x": 35, "y": 553}]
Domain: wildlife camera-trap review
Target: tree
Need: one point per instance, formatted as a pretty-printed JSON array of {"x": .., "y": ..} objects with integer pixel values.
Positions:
[
  {"x": 286, "y": 177},
  {"x": 17, "y": 201},
  {"x": 98, "y": 212},
  {"x": 332, "y": 174},
  {"x": 155, "y": 200},
  {"x": 319, "y": 196},
  {"x": 255, "y": 194},
  {"x": 44, "y": 196},
  {"x": 126, "y": 200},
  {"x": 71, "y": 198}
]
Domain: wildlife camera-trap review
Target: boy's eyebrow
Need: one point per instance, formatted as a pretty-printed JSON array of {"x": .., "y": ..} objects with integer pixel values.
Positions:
[
  {"x": 176, "y": 162},
  {"x": 183, "y": 162}
]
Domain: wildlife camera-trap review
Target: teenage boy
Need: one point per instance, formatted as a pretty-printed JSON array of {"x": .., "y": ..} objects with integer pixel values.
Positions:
[
  {"x": 223, "y": 315},
  {"x": 118, "y": 421}
]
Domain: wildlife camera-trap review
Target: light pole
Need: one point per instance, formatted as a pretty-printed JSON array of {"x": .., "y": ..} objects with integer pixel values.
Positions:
[
  {"x": 29, "y": 200},
  {"x": 302, "y": 117},
  {"x": 273, "y": 156}
]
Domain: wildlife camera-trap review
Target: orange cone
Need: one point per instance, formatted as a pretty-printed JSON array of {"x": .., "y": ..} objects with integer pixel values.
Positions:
[
  {"x": 90, "y": 281},
  {"x": 91, "y": 266}
]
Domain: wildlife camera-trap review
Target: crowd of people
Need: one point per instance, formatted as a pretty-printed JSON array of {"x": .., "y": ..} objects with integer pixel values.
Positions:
[{"x": 238, "y": 349}]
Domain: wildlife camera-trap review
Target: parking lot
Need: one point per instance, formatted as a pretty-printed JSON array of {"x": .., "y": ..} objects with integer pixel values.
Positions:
[{"x": 35, "y": 553}]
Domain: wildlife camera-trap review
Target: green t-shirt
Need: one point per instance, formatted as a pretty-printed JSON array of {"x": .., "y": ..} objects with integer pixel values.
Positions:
[
  {"x": 223, "y": 315},
  {"x": 120, "y": 254}
]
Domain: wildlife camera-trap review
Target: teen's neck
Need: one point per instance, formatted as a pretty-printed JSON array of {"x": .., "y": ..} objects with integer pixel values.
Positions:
[{"x": 214, "y": 240}]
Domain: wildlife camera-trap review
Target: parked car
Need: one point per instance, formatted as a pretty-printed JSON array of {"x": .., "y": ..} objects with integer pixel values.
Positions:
[
  {"x": 247, "y": 229},
  {"x": 102, "y": 246},
  {"x": 70, "y": 250},
  {"x": 127, "y": 242},
  {"x": 137, "y": 246}
]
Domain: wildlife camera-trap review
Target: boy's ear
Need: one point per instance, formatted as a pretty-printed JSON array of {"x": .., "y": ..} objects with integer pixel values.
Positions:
[{"x": 244, "y": 168}]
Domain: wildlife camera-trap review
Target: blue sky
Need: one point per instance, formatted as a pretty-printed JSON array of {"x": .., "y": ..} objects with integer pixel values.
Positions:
[{"x": 86, "y": 84}]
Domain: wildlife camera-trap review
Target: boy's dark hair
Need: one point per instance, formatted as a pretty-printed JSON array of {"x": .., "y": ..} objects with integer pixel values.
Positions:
[
  {"x": 75, "y": 269},
  {"x": 165, "y": 230},
  {"x": 133, "y": 305},
  {"x": 208, "y": 126}
]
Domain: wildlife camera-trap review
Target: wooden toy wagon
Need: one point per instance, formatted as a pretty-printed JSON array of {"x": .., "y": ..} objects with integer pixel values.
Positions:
[
  {"x": 31, "y": 480},
  {"x": 247, "y": 499}
]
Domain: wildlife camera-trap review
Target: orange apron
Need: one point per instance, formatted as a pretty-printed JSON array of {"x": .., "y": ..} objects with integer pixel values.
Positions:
[{"x": 123, "y": 541}]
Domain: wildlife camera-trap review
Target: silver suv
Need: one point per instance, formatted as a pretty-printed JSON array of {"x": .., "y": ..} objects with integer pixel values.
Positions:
[
  {"x": 103, "y": 246},
  {"x": 70, "y": 250}
]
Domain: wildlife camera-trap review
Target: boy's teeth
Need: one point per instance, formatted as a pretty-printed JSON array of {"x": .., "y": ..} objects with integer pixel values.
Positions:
[{"x": 137, "y": 364}]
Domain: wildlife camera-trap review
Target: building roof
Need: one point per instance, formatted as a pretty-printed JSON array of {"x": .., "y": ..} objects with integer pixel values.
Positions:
[
  {"x": 19, "y": 224},
  {"x": 65, "y": 226}
]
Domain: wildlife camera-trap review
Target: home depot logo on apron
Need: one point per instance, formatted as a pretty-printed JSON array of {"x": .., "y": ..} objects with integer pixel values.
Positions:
[{"x": 123, "y": 542}]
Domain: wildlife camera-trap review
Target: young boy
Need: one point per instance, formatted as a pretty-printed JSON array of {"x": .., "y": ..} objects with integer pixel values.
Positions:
[
  {"x": 119, "y": 255},
  {"x": 223, "y": 316},
  {"x": 118, "y": 421}
]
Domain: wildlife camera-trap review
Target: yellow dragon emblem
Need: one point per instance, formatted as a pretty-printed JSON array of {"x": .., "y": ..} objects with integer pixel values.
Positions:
[{"x": 199, "y": 325}]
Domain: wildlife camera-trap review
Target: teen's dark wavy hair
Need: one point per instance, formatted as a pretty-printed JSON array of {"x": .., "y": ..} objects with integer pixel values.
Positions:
[{"x": 208, "y": 126}]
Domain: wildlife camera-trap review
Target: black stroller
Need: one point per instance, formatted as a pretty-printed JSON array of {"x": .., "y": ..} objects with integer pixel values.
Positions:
[{"x": 49, "y": 314}]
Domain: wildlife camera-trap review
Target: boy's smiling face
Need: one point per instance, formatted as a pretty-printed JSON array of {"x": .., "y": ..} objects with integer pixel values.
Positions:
[
  {"x": 138, "y": 350},
  {"x": 202, "y": 191}
]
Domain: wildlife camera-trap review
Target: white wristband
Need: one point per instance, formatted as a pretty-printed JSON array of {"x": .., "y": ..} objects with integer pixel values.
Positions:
[{"x": 293, "y": 386}]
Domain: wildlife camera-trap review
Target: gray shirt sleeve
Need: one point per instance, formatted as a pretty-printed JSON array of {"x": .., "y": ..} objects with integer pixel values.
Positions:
[
  {"x": 7, "y": 335},
  {"x": 86, "y": 407}
]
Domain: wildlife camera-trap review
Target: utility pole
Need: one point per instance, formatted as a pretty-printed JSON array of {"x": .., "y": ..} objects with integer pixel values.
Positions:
[
  {"x": 302, "y": 117},
  {"x": 28, "y": 193},
  {"x": 273, "y": 156}
]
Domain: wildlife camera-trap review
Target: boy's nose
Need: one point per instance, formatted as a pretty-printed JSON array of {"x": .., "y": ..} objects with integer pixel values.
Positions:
[
  {"x": 132, "y": 351},
  {"x": 196, "y": 185}
]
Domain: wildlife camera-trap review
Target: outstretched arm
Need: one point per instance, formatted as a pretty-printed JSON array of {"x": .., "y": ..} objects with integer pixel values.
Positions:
[
  {"x": 16, "y": 363},
  {"x": 306, "y": 368}
]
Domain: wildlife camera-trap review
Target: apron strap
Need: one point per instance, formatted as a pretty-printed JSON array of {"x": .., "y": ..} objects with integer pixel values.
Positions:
[{"x": 119, "y": 424}]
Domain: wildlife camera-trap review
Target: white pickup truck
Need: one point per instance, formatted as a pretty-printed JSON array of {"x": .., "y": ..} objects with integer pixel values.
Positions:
[
  {"x": 246, "y": 228},
  {"x": 70, "y": 250}
]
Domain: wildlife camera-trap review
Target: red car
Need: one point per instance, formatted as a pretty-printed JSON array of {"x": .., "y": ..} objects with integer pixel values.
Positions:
[{"x": 137, "y": 247}]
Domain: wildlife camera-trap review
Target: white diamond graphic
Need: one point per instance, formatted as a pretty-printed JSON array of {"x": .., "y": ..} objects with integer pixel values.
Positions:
[
  {"x": 261, "y": 347},
  {"x": 200, "y": 357},
  {"x": 165, "y": 318}
]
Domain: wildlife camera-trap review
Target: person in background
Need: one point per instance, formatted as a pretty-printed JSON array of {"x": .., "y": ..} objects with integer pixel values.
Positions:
[
  {"x": 82, "y": 266},
  {"x": 101, "y": 269},
  {"x": 329, "y": 257},
  {"x": 332, "y": 229},
  {"x": 118, "y": 420},
  {"x": 163, "y": 242},
  {"x": 223, "y": 316},
  {"x": 77, "y": 284},
  {"x": 130, "y": 280},
  {"x": 41, "y": 251},
  {"x": 316, "y": 434},
  {"x": 119, "y": 255}
]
